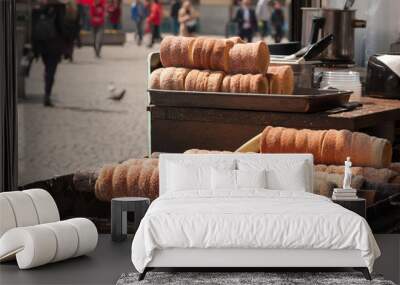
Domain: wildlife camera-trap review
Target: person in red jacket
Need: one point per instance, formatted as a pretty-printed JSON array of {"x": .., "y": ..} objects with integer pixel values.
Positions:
[
  {"x": 154, "y": 21},
  {"x": 97, "y": 11},
  {"x": 114, "y": 14}
]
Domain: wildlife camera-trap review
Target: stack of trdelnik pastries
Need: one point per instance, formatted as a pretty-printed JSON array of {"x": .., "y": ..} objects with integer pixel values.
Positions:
[{"x": 219, "y": 65}]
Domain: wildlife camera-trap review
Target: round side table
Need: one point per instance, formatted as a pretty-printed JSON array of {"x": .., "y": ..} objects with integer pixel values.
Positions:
[{"x": 119, "y": 208}]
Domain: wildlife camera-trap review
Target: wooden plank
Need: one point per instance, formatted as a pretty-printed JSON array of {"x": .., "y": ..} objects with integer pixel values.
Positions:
[
  {"x": 178, "y": 136},
  {"x": 176, "y": 129},
  {"x": 312, "y": 121}
]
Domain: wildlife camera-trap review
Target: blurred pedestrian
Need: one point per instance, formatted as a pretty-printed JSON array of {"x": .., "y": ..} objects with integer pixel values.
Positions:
[
  {"x": 187, "y": 19},
  {"x": 138, "y": 15},
  {"x": 48, "y": 40},
  {"x": 262, "y": 13},
  {"x": 176, "y": 6},
  {"x": 154, "y": 22},
  {"x": 278, "y": 21},
  {"x": 84, "y": 13},
  {"x": 97, "y": 11},
  {"x": 114, "y": 14},
  {"x": 246, "y": 20},
  {"x": 71, "y": 28}
]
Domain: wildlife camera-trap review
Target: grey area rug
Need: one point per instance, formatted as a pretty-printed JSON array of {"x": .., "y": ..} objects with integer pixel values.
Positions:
[{"x": 268, "y": 278}]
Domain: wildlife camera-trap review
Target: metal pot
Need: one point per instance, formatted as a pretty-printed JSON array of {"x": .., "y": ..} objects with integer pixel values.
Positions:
[{"x": 340, "y": 23}]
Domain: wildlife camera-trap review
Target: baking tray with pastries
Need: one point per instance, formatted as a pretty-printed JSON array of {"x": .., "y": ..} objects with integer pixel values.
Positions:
[{"x": 207, "y": 72}]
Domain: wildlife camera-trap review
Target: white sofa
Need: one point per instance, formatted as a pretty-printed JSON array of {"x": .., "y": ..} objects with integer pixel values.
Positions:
[{"x": 31, "y": 230}]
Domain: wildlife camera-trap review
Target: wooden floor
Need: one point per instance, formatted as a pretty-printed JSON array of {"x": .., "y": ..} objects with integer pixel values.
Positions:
[{"x": 103, "y": 266}]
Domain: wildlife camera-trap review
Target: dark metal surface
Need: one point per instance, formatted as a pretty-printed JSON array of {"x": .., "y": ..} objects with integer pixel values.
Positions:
[
  {"x": 310, "y": 100},
  {"x": 8, "y": 100},
  {"x": 340, "y": 23}
]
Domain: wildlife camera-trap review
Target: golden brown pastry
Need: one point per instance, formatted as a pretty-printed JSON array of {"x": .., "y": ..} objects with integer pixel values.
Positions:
[
  {"x": 382, "y": 175},
  {"x": 132, "y": 179},
  {"x": 283, "y": 79},
  {"x": 119, "y": 186},
  {"x": 329, "y": 146},
  {"x": 197, "y": 50},
  {"x": 186, "y": 51},
  {"x": 219, "y": 58},
  {"x": 173, "y": 78},
  {"x": 258, "y": 84},
  {"x": 208, "y": 46},
  {"x": 165, "y": 51},
  {"x": 214, "y": 81},
  {"x": 245, "y": 81},
  {"x": 234, "y": 85},
  {"x": 179, "y": 77},
  {"x": 167, "y": 78},
  {"x": 154, "y": 81},
  {"x": 191, "y": 80},
  {"x": 274, "y": 85},
  {"x": 249, "y": 58},
  {"x": 236, "y": 40},
  {"x": 226, "y": 83},
  {"x": 103, "y": 187},
  {"x": 203, "y": 80},
  {"x": 176, "y": 51}
]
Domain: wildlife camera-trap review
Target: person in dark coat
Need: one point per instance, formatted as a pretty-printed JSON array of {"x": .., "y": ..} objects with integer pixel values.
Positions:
[
  {"x": 246, "y": 20},
  {"x": 48, "y": 40},
  {"x": 71, "y": 29},
  {"x": 278, "y": 21},
  {"x": 176, "y": 6}
]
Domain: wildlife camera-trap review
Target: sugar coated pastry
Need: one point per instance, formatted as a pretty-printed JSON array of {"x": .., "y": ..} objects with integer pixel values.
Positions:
[
  {"x": 154, "y": 81},
  {"x": 249, "y": 58},
  {"x": 328, "y": 146},
  {"x": 283, "y": 79}
]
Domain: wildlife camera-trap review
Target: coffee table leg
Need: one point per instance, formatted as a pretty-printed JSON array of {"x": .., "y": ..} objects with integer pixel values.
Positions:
[
  {"x": 124, "y": 225},
  {"x": 116, "y": 222}
]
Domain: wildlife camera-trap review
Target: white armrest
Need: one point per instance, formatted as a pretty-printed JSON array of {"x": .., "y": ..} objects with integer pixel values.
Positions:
[
  {"x": 26, "y": 208},
  {"x": 37, "y": 245}
]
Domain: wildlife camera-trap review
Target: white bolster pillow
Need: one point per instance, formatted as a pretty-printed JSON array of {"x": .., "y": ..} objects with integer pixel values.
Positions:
[
  {"x": 7, "y": 219},
  {"x": 45, "y": 205},
  {"x": 24, "y": 211},
  {"x": 26, "y": 208},
  {"x": 40, "y": 244}
]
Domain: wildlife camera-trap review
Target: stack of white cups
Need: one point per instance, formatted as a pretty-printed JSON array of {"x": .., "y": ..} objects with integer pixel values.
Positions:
[{"x": 343, "y": 80}]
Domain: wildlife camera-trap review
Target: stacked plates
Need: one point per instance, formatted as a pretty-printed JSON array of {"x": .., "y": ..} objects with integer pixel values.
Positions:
[{"x": 343, "y": 80}]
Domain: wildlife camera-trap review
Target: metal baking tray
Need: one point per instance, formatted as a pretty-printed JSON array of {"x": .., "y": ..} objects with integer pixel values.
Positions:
[{"x": 306, "y": 100}]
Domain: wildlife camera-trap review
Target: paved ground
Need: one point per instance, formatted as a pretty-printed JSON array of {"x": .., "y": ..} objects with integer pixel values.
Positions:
[{"x": 85, "y": 129}]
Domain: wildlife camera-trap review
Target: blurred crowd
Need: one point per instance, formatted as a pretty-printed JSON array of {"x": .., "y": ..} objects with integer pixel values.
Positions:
[
  {"x": 56, "y": 29},
  {"x": 266, "y": 18},
  {"x": 267, "y": 14},
  {"x": 57, "y": 25}
]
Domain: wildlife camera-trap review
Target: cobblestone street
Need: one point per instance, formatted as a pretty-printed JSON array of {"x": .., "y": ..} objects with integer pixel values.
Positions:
[{"x": 85, "y": 129}]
